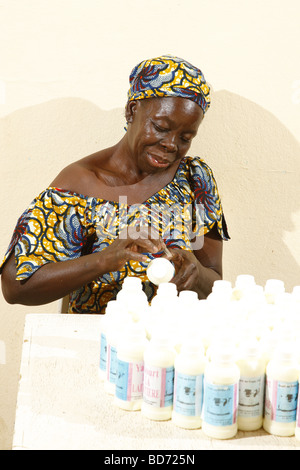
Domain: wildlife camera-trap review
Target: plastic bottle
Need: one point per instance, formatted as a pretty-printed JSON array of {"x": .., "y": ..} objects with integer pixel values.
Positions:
[
  {"x": 281, "y": 393},
  {"x": 251, "y": 387},
  {"x": 243, "y": 283},
  {"x": 160, "y": 270},
  {"x": 222, "y": 290},
  {"x": 116, "y": 326},
  {"x": 133, "y": 298},
  {"x": 104, "y": 325},
  {"x": 158, "y": 391},
  {"x": 297, "y": 430},
  {"x": 188, "y": 385},
  {"x": 221, "y": 387},
  {"x": 273, "y": 287},
  {"x": 130, "y": 368}
]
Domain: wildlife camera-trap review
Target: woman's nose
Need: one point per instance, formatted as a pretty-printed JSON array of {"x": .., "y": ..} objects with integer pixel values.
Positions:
[{"x": 169, "y": 144}]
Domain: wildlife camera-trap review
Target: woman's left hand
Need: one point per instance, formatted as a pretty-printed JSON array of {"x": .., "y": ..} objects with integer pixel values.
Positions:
[{"x": 187, "y": 270}]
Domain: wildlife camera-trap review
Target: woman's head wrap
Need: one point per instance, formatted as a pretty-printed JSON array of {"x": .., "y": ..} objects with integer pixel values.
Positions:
[{"x": 169, "y": 76}]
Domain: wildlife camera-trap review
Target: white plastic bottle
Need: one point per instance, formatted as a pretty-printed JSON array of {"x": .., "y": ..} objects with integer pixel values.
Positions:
[
  {"x": 221, "y": 291},
  {"x": 273, "y": 288},
  {"x": 160, "y": 270},
  {"x": 221, "y": 388},
  {"x": 162, "y": 313},
  {"x": 251, "y": 387},
  {"x": 158, "y": 390},
  {"x": 297, "y": 430},
  {"x": 243, "y": 283},
  {"x": 281, "y": 393},
  {"x": 112, "y": 306},
  {"x": 188, "y": 386},
  {"x": 119, "y": 320},
  {"x": 130, "y": 368},
  {"x": 133, "y": 298}
]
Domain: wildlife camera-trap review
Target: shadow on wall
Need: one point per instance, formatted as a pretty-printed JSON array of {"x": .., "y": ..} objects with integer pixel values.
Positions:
[
  {"x": 255, "y": 159},
  {"x": 256, "y": 162}
]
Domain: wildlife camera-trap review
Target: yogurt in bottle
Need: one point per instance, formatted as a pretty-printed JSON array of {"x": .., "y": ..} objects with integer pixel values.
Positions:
[
  {"x": 251, "y": 387},
  {"x": 130, "y": 368},
  {"x": 221, "y": 388},
  {"x": 159, "y": 359},
  {"x": 188, "y": 386},
  {"x": 281, "y": 393}
]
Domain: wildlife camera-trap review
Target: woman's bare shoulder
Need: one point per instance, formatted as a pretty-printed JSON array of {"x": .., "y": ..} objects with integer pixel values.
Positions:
[{"x": 76, "y": 177}]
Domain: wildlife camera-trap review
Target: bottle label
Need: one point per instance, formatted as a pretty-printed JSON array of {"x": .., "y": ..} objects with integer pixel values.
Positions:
[
  {"x": 129, "y": 380},
  {"x": 281, "y": 401},
  {"x": 158, "y": 386},
  {"x": 103, "y": 352},
  {"x": 111, "y": 364},
  {"x": 220, "y": 404},
  {"x": 298, "y": 412},
  {"x": 188, "y": 394},
  {"x": 251, "y": 396}
]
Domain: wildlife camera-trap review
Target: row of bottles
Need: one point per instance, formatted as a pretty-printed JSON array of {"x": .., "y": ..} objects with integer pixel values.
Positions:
[{"x": 222, "y": 364}]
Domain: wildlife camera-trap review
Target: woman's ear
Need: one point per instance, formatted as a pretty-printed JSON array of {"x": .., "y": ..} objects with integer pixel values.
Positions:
[{"x": 130, "y": 111}]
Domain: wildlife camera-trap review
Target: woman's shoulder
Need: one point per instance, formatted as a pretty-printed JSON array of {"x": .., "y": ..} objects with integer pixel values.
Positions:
[
  {"x": 75, "y": 178},
  {"x": 196, "y": 166}
]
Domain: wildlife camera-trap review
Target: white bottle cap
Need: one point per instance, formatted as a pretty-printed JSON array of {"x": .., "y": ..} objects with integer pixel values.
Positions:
[
  {"x": 192, "y": 345},
  {"x": 284, "y": 352},
  {"x": 250, "y": 348},
  {"x": 244, "y": 280},
  {"x": 167, "y": 288},
  {"x": 296, "y": 292},
  {"x": 274, "y": 286},
  {"x": 188, "y": 295},
  {"x": 223, "y": 355},
  {"x": 221, "y": 285},
  {"x": 132, "y": 282},
  {"x": 160, "y": 270}
]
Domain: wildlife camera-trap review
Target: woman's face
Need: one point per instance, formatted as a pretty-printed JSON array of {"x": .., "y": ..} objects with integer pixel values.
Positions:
[{"x": 160, "y": 130}]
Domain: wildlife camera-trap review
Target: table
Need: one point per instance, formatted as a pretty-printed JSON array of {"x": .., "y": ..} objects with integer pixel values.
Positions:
[{"x": 62, "y": 404}]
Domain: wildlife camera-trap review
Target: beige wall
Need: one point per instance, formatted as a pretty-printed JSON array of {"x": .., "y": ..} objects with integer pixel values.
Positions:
[{"x": 63, "y": 83}]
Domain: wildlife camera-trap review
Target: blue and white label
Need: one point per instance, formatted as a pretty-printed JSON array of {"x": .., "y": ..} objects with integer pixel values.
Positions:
[
  {"x": 129, "y": 380},
  {"x": 103, "y": 352},
  {"x": 111, "y": 364},
  {"x": 188, "y": 394},
  {"x": 220, "y": 404},
  {"x": 251, "y": 396},
  {"x": 281, "y": 400}
]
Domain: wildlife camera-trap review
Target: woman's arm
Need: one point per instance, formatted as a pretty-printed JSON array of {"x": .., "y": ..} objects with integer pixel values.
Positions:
[
  {"x": 55, "y": 280},
  {"x": 199, "y": 270}
]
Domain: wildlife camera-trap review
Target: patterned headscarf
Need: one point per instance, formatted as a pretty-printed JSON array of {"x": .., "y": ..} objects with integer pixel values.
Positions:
[{"x": 169, "y": 76}]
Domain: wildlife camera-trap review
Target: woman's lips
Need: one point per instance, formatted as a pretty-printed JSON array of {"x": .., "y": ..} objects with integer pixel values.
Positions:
[{"x": 157, "y": 162}]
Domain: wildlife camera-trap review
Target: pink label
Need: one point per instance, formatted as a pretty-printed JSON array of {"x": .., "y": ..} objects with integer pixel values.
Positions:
[
  {"x": 298, "y": 412},
  {"x": 158, "y": 386}
]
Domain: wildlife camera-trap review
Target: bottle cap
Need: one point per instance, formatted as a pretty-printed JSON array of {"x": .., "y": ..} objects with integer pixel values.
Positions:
[
  {"x": 188, "y": 295},
  {"x": 274, "y": 286},
  {"x": 132, "y": 282},
  {"x": 223, "y": 355},
  {"x": 244, "y": 280},
  {"x": 160, "y": 270},
  {"x": 167, "y": 288},
  {"x": 221, "y": 285}
]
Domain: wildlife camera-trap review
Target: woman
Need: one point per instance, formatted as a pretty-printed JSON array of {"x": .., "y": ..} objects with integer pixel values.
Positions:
[{"x": 104, "y": 216}]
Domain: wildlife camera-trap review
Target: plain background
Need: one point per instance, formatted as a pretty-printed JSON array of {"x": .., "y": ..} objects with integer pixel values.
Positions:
[{"x": 64, "y": 71}]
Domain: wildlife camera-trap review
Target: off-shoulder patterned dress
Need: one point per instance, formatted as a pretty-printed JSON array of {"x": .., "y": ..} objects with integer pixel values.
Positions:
[{"x": 62, "y": 225}]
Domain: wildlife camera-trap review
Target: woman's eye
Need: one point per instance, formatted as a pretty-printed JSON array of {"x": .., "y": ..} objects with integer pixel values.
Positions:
[{"x": 159, "y": 128}]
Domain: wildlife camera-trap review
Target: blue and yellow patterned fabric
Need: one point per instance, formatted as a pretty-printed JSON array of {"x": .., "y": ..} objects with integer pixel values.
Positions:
[
  {"x": 61, "y": 225},
  {"x": 169, "y": 76}
]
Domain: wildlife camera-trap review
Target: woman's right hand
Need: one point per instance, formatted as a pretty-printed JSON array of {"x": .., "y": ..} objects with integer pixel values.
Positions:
[{"x": 131, "y": 245}]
